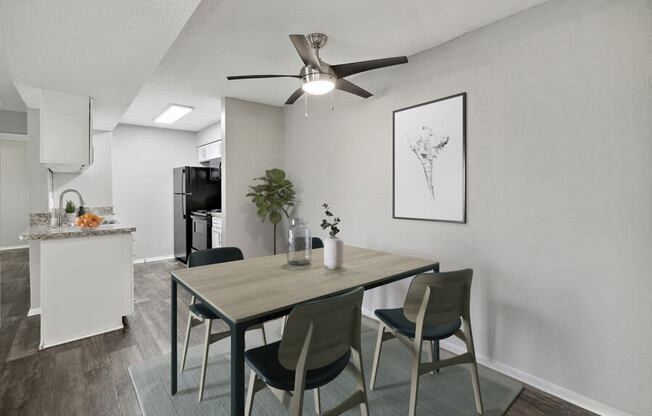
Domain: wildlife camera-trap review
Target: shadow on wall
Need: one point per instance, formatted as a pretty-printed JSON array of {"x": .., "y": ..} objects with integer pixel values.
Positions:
[{"x": 261, "y": 233}]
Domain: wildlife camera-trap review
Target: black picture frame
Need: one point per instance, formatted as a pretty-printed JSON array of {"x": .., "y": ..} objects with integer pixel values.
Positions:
[{"x": 464, "y": 174}]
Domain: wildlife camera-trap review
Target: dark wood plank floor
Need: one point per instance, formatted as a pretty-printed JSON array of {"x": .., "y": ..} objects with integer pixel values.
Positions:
[{"x": 89, "y": 377}]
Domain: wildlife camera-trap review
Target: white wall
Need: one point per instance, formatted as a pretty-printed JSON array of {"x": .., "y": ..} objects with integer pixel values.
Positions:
[
  {"x": 559, "y": 190},
  {"x": 14, "y": 197},
  {"x": 38, "y": 203},
  {"x": 95, "y": 182},
  {"x": 38, "y": 175},
  {"x": 13, "y": 122},
  {"x": 209, "y": 134},
  {"x": 143, "y": 159},
  {"x": 252, "y": 138}
]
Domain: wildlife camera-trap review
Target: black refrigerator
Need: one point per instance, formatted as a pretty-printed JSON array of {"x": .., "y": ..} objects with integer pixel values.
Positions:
[{"x": 195, "y": 188}]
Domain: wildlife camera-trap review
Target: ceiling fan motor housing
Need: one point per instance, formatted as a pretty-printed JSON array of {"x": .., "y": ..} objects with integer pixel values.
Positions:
[{"x": 314, "y": 76}]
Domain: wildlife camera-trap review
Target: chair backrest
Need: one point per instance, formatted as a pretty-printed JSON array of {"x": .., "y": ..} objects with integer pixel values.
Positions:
[
  {"x": 317, "y": 243},
  {"x": 214, "y": 256},
  {"x": 450, "y": 294},
  {"x": 335, "y": 324}
]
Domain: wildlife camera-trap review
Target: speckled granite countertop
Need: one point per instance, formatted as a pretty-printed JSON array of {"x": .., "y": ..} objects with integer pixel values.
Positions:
[{"x": 44, "y": 232}]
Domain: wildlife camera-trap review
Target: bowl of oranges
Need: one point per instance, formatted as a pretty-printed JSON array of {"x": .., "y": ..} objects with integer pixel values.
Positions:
[{"x": 88, "y": 220}]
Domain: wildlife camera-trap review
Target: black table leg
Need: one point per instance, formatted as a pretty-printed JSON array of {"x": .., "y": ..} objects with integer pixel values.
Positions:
[
  {"x": 436, "y": 342},
  {"x": 173, "y": 337},
  {"x": 237, "y": 369}
]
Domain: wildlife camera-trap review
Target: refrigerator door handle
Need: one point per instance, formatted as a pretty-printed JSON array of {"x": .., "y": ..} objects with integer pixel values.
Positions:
[{"x": 183, "y": 192}]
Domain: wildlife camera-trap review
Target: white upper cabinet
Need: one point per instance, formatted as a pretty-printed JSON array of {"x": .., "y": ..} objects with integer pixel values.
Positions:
[
  {"x": 65, "y": 132},
  {"x": 210, "y": 151}
]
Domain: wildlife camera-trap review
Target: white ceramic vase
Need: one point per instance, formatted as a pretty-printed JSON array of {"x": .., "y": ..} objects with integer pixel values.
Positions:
[{"x": 333, "y": 253}]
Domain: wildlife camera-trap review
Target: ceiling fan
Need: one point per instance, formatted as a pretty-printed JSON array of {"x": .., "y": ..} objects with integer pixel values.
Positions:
[{"x": 318, "y": 77}]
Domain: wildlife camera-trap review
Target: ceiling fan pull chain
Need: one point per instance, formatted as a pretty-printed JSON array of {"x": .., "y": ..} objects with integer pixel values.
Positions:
[
  {"x": 305, "y": 101},
  {"x": 332, "y": 94}
]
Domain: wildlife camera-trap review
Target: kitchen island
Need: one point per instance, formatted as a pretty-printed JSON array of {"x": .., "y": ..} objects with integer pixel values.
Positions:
[{"x": 85, "y": 277}]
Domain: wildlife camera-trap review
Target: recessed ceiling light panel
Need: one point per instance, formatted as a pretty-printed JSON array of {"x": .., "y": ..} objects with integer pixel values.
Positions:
[{"x": 172, "y": 113}]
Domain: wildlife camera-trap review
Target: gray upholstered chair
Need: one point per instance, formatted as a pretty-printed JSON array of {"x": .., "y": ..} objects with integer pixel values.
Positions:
[
  {"x": 317, "y": 243},
  {"x": 321, "y": 339},
  {"x": 436, "y": 306},
  {"x": 200, "y": 313}
]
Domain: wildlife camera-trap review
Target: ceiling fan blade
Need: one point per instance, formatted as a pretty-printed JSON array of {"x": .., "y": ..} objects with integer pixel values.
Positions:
[
  {"x": 232, "y": 77},
  {"x": 344, "y": 70},
  {"x": 295, "y": 96},
  {"x": 305, "y": 50},
  {"x": 344, "y": 85}
]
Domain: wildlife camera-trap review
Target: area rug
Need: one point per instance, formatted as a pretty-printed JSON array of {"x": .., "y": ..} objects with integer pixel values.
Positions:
[{"x": 448, "y": 393}]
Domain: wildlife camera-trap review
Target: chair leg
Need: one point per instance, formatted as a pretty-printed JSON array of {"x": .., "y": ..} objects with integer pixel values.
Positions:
[
  {"x": 431, "y": 353},
  {"x": 379, "y": 343},
  {"x": 468, "y": 333},
  {"x": 205, "y": 359},
  {"x": 185, "y": 343},
  {"x": 251, "y": 391},
  {"x": 357, "y": 361},
  {"x": 476, "y": 388},
  {"x": 414, "y": 385},
  {"x": 317, "y": 401}
]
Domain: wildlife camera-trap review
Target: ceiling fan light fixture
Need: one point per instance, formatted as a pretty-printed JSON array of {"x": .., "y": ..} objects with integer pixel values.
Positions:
[
  {"x": 318, "y": 83},
  {"x": 318, "y": 77}
]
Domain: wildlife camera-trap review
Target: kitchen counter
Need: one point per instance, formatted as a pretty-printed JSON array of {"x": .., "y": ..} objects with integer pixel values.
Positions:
[
  {"x": 91, "y": 267},
  {"x": 45, "y": 232}
]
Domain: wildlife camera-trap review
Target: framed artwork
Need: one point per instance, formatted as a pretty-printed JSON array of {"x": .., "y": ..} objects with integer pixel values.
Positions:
[{"x": 429, "y": 160}]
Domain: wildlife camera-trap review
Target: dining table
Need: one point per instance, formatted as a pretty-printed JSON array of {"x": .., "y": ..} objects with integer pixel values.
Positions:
[{"x": 247, "y": 292}]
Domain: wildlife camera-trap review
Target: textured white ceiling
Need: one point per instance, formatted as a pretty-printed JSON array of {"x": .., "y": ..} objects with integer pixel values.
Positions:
[
  {"x": 251, "y": 36},
  {"x": 106, "y": 49}
]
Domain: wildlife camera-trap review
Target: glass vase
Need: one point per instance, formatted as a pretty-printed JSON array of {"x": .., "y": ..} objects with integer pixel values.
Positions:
[{"x": 299, "y": 243}]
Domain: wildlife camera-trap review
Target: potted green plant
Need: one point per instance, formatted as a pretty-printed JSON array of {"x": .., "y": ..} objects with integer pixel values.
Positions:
[
  {"x": 70, "y": 213},
  {"x": 333, "y": 246},
  {"x": 273, "y": 196}
]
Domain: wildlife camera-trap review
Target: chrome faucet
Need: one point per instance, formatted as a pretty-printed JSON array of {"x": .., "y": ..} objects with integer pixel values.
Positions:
[{"x": 81, "y": 203}]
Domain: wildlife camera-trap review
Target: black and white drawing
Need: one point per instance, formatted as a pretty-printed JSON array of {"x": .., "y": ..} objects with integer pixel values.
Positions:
[
  {"x": 426, "y": 152},
  {"x": 429, "y": 160}
]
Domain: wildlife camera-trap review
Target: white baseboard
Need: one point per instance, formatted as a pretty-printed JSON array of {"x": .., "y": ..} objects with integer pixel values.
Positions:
[
  {"x": 534, "y": 381},
  {"x": 158, "y": 258},
  {"x": 539, "y": 383},
  {"x": 13, "y": 247},
  {"x": 34, "y": 311}
]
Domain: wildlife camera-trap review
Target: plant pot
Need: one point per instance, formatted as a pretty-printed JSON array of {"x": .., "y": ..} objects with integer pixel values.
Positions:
[
  {"x": 333, "y": 253},
  {"x": 70, "y": 217}
]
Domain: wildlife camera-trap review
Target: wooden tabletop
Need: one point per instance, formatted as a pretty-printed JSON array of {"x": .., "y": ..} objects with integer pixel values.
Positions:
[{"x": 246, "y": 289}]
